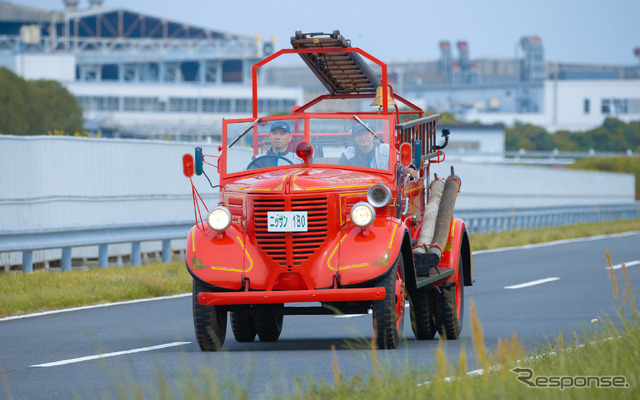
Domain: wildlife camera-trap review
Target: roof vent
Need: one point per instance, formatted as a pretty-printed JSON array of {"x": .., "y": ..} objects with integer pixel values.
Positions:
[
  {"x": 71, "y": 5},
  {"x": 95, "y": 4}
]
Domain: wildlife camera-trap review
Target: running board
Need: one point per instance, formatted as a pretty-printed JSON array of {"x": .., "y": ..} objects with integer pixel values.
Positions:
[{"x": 435, "y": 278}]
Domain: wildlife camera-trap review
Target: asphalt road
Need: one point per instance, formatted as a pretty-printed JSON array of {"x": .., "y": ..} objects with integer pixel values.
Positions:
[{"x": 535, "y": 292}]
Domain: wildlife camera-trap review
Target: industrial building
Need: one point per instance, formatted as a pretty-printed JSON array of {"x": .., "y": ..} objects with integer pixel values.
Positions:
[
  {"x": 526, "y": 88},
  {"x": 137, "y": 75}
]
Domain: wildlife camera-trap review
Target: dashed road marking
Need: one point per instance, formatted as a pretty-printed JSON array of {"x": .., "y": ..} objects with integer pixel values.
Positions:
[
  {"x": 106, "y": 355},
  {"x": 627, "y": 264},
  {"x": 532, "y": 283}
]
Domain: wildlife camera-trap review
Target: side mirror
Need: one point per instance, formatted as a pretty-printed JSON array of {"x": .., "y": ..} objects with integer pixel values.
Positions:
[
  {"x": 198, "y": 161},
  {"x": 445, "y": 134},
  {"x": 405, "y": 154}
]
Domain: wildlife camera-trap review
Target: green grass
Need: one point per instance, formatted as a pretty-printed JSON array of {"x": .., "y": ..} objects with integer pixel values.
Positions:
[
  {"x": 519, "y": 238},
  {"x": 42, "y": 290}
]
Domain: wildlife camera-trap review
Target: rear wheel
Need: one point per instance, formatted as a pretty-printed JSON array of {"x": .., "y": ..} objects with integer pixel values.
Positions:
[
  {"x": 388, "y": 313},
  {"x": 269, "y": 326},
  {"x": 449, "y": 307},
  {"x": 243, "y": 327},
  {"x": 423, "y": 320},
  {"x": 210, "y": 322}
]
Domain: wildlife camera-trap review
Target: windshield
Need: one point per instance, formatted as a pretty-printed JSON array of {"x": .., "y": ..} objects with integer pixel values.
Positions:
[{"x": 347, "y": 141}]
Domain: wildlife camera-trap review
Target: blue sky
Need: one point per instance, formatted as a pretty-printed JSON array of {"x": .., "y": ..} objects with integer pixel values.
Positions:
[{"x": 581, "y": 31}]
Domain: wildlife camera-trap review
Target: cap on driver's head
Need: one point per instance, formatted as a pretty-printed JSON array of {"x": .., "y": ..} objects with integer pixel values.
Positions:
[{"x": 280, "y": 126}]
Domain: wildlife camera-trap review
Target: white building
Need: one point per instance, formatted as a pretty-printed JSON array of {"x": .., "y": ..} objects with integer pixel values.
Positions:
[
  {"x": 137, "y": 75},
  {"x": 575, "y": 105}
]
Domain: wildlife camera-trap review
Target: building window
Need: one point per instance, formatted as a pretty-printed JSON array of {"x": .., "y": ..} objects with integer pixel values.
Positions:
[
  {"x": 208, "y": 105},
  {"x": 175, "y": 104},
  {"x": 224, "y": 105},
  {"x": 192, "y": 105},
  {"x": 85, "y": 102},
  {"x": 130, "y": 103},
  {"x": 587, "y": 106},
  {"x": 620, "y": 106},
  {"x": 243, "y": 105},
  {"x": 606, "y": 106},
  {"x": 113, "y": 103}
]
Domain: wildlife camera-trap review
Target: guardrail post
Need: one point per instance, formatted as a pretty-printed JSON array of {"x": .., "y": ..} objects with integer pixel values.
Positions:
[
  {"x": 66, "y": 259},
  {"x": 103, "y": 256},
  {"x": 135, "y": 254},
  {"x": 166, "y": 251},
  {"x": 27, "y": 261}
]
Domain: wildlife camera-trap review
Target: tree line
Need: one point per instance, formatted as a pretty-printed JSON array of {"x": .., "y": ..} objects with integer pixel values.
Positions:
[
  {"x": 36, "y": 107},
  {"x": 614, "y": 136}
]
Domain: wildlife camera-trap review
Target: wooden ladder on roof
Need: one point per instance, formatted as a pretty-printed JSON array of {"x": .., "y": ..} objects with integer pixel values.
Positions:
[{"x": 340, "y": 73}]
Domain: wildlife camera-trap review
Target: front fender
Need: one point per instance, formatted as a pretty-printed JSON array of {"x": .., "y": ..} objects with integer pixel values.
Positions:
[
  {"x": 220, "y": 259},
  {"x": 362, "y": 255}
]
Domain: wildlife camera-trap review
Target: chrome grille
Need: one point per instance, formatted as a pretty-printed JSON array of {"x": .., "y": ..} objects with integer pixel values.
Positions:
[{"x": 304, "y": 244}]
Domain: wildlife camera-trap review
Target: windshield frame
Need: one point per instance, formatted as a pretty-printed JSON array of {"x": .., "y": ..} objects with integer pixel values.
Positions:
[{"x": 385, "y": 132}]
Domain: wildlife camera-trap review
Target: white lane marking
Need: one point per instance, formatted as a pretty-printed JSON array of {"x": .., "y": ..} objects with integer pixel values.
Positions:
[
  {"x": 532, "y": 283},
  {"x": 119, "y": 303},
  {"x": 627, "y": 264},
  {"x": 117, "y": 353},
  {"x": 557, "y": 242}
]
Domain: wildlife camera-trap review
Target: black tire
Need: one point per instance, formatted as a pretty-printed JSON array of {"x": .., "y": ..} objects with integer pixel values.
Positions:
[
  {"x": 243, "y": 327},
  {"x": 269, "y": 326},
  {"x": 387, "y": 322},
  {"x": 210, "y": 322},
  {"x": 449, "y": 307},
  {"x": 423, "y": 320}
]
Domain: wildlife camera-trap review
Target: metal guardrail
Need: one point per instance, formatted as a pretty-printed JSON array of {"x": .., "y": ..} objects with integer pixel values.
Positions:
[
  {"x": 65, "y": 239},
  {"x": 478, "y": 221},
  {"x": 507, "y": 220}
]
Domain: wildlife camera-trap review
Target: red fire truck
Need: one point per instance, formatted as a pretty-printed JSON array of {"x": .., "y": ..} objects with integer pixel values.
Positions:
[{"x": 333, "y": 211}]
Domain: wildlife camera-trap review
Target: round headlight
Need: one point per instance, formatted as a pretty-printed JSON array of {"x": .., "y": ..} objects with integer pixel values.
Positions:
[
  {"x": 219, "y": 219},
  {"x": 362, "y": 214},
  {"x": 379, "y": 195}
]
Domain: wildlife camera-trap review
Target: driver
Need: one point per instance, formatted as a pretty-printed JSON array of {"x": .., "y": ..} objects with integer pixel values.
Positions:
[{"x": 279, "y": 138}]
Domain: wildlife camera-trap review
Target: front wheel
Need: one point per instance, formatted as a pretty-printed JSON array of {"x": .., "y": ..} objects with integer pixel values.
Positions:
[
  {"x": 210, "y": 322},
  {"x": 388, "y": 313},
  {"x": 449, "y": 307},
  {"x": 269, "y": 325},
  {"x": 243, "y": 327}
]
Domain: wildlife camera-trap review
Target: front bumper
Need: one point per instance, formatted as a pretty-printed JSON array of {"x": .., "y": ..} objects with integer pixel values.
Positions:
[{"x": 290, "y": 296}]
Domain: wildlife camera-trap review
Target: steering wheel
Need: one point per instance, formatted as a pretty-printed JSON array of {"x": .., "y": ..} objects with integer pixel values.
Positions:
[{"x": 263, "y": 160}]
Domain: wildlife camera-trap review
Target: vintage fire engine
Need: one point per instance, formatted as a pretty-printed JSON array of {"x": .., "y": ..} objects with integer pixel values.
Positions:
[{"x": 306, "y": 227}]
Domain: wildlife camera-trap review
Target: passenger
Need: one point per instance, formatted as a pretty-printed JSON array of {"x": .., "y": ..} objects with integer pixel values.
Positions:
[
  {"x": 279, "y": 139},
  {"x": 368, "y": 153}
]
